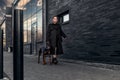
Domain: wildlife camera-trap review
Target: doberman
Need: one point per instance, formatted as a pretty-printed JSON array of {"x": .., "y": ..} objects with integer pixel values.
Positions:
[{"x": 44, "y": 52}]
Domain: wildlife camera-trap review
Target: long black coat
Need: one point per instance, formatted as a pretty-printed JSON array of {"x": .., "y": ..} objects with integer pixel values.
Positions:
[{"x": 54, "y": 37}]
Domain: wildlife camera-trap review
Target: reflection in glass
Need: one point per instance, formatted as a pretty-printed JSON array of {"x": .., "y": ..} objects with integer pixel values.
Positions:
[
  {"x": 3, "y": 27},
  {"x": 25, "y": 31},
  {"x": 33, "y": 14},
  {"x": 39, "y": 26},
  {"x": 29, "y": 30}
]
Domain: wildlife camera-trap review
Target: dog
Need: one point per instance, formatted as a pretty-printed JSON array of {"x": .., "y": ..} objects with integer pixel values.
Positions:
[{"x": 45, "y": 52}]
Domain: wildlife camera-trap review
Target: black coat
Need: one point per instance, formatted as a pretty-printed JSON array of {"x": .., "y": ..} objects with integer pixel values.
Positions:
[{"x": 54, "y": 37}]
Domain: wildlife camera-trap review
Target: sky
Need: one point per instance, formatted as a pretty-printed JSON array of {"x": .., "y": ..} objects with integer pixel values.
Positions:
[{"x": 3, "y": 4}]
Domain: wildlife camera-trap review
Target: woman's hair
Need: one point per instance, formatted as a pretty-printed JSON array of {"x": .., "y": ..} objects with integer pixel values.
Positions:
[{"x": 54, "y": 16}]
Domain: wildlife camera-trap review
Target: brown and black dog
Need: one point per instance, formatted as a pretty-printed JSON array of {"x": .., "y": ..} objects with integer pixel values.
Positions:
[{"x": 44, "y": 52}]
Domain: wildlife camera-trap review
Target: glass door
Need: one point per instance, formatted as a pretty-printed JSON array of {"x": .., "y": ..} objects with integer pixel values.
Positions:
[{"x": 34, "y": 38}]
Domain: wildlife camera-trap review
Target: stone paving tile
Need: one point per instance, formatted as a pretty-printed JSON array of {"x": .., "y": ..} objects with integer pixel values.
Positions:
[{"x": 62, "y": 71}]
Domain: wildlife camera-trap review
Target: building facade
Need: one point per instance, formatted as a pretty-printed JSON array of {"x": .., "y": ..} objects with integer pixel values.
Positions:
[
  {"x": 3, "y": 27},
  {"x": 33, "y": 25},
  {"x": 33, "y": 28},
  {"x": 91, "y": 26}
]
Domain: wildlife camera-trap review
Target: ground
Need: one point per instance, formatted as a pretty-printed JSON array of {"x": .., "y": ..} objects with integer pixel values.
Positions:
[{"x": 62, "y": 71}]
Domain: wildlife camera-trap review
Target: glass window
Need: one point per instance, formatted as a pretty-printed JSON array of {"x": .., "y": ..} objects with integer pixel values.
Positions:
[
  {"x": 29, "y": 30},
  {"x": 66, "y": 18},
  {"x": 33, "y": 21},
  {"x": 25, "y": 31},
  {"x": 34, "y": 28},
  {"x": 3, "y": 26},
  {"x": 39, "y": 26},
  {"x": 33, "y": 6}
]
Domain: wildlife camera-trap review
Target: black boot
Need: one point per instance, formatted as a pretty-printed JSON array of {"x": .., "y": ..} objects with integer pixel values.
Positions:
[{"x": 54, "y": 60}]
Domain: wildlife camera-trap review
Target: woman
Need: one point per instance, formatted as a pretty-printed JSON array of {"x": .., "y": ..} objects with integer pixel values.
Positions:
[{"x": 54, "y": 38}]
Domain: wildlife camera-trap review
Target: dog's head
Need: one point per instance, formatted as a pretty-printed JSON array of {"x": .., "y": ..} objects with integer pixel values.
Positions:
[{"x": 47, "y": 50}]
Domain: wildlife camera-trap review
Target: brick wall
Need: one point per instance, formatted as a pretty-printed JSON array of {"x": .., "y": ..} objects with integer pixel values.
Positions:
[{"x": 93, "y": 30}]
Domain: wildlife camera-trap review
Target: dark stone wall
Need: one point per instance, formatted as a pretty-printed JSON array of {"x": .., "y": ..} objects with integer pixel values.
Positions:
[
  {"x": 8, "y": 32},
  {"x": 93, "y": 30}
]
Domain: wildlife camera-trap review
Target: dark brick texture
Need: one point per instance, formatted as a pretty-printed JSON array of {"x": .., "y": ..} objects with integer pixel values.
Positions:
[{"x": 93, "y": 30}]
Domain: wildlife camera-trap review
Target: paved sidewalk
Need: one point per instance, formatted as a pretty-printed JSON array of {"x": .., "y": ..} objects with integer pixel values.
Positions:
[
  {"x": 5, "y": 77},
  {"x": 62, "y": 71}
]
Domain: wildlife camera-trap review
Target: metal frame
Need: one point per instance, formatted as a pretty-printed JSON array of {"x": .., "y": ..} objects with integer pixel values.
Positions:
[
  {"x": 18, "y": 70},
  {"x": 1, "y": 54}
]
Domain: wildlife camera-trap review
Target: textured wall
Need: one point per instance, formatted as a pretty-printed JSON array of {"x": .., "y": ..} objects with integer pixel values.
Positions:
[
  {"x": 8, "y": 32},
  {"x": 93, "y": 30}
]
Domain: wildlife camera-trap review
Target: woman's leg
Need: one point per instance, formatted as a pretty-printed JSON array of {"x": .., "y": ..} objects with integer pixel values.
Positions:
[{"x": 54, "y": 60}]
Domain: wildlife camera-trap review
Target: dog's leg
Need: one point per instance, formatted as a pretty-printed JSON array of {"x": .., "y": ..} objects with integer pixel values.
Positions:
[
  {"x": 50, "y": 59},
  {"x": 38, "y": 59},
  {"x": 44, "y": 61},
  {"x": 39, "y": 56}
]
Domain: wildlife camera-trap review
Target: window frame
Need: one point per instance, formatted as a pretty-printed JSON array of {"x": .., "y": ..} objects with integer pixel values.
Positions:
[
  {"x": 63, "y": 21},
  {"x": 62, "y": 15}
]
